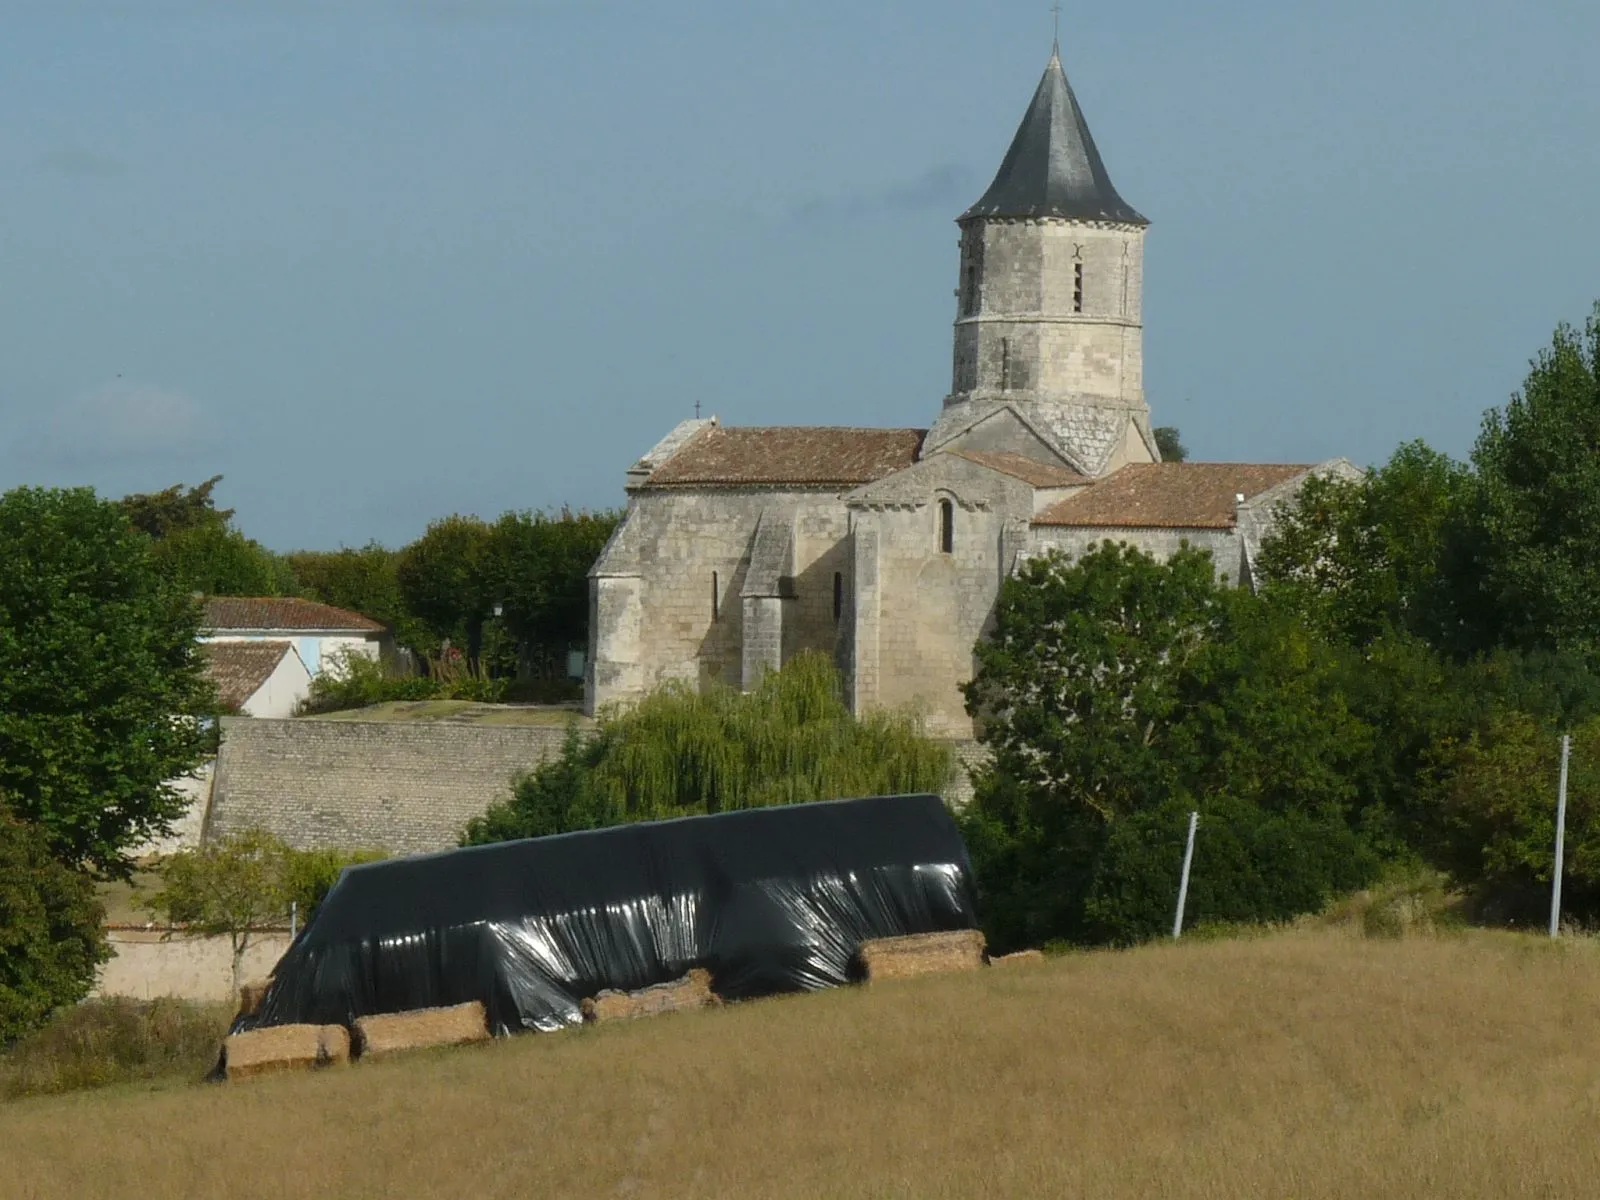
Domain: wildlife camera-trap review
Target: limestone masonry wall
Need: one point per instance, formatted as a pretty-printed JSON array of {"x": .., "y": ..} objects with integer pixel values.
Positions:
[{"x": 408, "y": 788}]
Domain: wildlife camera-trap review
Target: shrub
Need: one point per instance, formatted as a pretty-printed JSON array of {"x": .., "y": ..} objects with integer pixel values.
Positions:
[
  {"x": 51, "y": 940},
  {"x": 310, "y": 874},
  {"x": 115, "y": 1040},
  {"x": 356, "y": 681},
  {"x": 1250, "y": 866}
]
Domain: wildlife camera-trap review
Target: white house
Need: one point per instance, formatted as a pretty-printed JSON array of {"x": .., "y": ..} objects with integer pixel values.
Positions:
[{"x": 320, "y": 633}]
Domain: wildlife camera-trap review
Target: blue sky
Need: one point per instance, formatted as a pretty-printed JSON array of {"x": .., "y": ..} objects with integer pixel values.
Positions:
[{"x": 379, "y": 264}]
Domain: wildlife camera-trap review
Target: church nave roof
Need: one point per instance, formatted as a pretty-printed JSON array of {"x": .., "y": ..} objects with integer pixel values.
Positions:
[{"x": 787, "y": 455}]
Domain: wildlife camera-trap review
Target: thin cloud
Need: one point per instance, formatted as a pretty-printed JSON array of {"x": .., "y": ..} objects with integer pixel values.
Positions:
[
  {"x": 123, "y": 421},
  {"x": 943, "y": 186}
]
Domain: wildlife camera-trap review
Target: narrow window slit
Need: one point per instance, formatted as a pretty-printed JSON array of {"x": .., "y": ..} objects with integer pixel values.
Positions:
[{"x": 947, "y": 527}]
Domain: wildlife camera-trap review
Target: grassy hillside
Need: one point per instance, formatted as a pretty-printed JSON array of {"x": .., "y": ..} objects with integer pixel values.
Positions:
[{"x": 1304, "y": 1064}]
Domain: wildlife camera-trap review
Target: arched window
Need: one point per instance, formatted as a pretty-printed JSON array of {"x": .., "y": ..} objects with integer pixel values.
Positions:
[
  {"x": 838, "y": 595},
  {"x": 716, "y": 598},
  {"x": 947, "y": 527}
]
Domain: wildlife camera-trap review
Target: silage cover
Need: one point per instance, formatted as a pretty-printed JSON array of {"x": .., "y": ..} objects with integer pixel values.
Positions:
[{"x": 768, "y": 900}]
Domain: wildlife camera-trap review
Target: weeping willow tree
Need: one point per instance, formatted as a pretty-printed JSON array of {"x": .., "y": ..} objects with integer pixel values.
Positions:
[{"x": 681, "y": 753}]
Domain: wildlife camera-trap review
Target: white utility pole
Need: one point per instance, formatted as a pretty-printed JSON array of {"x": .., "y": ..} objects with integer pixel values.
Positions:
[
  {"x": 1183, "y": 883},
  {"x": 1561, "y": 840}
]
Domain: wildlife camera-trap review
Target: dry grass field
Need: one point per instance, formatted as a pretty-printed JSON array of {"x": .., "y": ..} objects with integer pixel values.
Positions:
[{"x": 1305, "y": 1064}]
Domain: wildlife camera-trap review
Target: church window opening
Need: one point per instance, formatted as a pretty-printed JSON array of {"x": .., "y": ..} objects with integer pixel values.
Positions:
[
  {"x": 947, "y": 527},
  {"x": 838, "y": 595},
  {"x": 716, "y": 598},
  {"x": 1077, "y": 287},
  {"x": 969, "y": 292},
  {"x": 1005, "y": 364}
]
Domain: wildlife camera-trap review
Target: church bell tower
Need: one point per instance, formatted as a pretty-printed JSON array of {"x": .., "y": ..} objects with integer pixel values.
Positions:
[{"x": 1049, "y": 321}]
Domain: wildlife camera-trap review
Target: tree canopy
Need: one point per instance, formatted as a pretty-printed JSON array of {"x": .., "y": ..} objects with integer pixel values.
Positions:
[
  {"x": 1118, "y": 693},
  {"x": 197, "y": 546},
  {"x": 102, "y": 690}
]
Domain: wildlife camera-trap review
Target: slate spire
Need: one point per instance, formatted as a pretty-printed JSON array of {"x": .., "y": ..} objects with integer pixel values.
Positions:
[{"x": 1053, "y": 168}]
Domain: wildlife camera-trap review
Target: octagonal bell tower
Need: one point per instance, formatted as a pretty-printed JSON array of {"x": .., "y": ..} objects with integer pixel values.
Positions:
[{"x": 1049, "y": 321}]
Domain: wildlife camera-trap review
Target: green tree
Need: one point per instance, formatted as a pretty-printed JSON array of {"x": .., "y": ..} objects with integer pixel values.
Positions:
[
  {"x": 1118, "y": 690},
  {"x": 364, "y": 580},
  {"x": 1359, "y": 558},
  {"x": 198, "y": 547},
  {"x": 447, "y": 582},
  {"x": 541, "y": 575},
  {"x": 1536, "y": 514},
  {"x": 51, "y": 939},
  {"x": 102, "y": 690},
  {"x": 1170, "y": 444},
  {"x": 233, "y": 887},
  {"x": 1496, "y": 792},
  {"x": 680, "y": 753}
]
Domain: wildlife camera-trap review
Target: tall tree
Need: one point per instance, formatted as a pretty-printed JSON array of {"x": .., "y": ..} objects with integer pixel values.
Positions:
[
  {"x": 102, "y": 688},
  {"x": 1537, "y": 505},
  {"x": 541, "y": 570},
  {"x": 197, "y": 545},
  {"x": 1361, "y": 558},
  {"x": 447, "y": 580}
]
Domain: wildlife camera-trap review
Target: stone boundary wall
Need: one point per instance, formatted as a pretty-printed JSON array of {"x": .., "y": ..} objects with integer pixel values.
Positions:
[
  {"x": 149, "y": 962},
  {"x": 404, "y": 787}
]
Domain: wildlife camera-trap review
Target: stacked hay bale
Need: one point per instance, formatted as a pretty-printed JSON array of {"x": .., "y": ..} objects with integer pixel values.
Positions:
[
  {"x": 421, "y": 1028},
  {"x": 692, "y": 991},
  {"x": 284, "y": 1048},
  {"x": 922, "y": 954}
]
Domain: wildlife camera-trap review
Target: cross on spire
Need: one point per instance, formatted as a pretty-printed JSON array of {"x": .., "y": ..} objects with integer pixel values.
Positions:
[{"x": 1056, "y": 10}]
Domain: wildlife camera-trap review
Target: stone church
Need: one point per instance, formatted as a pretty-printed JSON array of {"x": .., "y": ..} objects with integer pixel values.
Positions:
[{"x": 886, "y": 548}]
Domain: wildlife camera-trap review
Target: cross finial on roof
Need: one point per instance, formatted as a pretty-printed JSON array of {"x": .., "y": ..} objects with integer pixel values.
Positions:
[
  {"x": 697, "y": 410},
  {"x": 1055, "y": 47}
]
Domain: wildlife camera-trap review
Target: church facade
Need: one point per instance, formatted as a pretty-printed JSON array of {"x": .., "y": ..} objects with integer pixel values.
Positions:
[{"x": 887, "y": 548}]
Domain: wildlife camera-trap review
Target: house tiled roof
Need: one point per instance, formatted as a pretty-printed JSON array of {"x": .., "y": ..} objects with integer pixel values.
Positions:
[
  {"x": 792, "y": 455},
  {"x": 1167, "y": 496},
  {"x": 240, "y": 668},
  {"x": 1019, "y": 466},
  {"x": 287, "y": 613}
]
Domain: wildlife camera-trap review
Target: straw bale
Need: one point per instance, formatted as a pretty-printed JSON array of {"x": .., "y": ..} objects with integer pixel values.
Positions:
[
  {"x": 421, "y": 1028},
  {"x": 692, "y": 991},
  {"x": 284, "y": 1048},
  {"x": 1020, "y": 959},
  {"x": 252, "y": 994},
  {"x": 922, "y": 954}
]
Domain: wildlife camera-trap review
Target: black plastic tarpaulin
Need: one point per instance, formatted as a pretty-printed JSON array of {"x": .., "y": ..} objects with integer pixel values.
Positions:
[{"x": 769, "y": 900}]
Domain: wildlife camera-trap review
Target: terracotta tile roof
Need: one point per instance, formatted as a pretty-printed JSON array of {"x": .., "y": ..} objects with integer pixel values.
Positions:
[
  {"x": 800, "y": 456},
  {"x": 240, "y": 668},
  {"x": 287, "y": 613},
  {"x": 1167, "y": 496},
  {"x": 1020, "y": 466}
]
